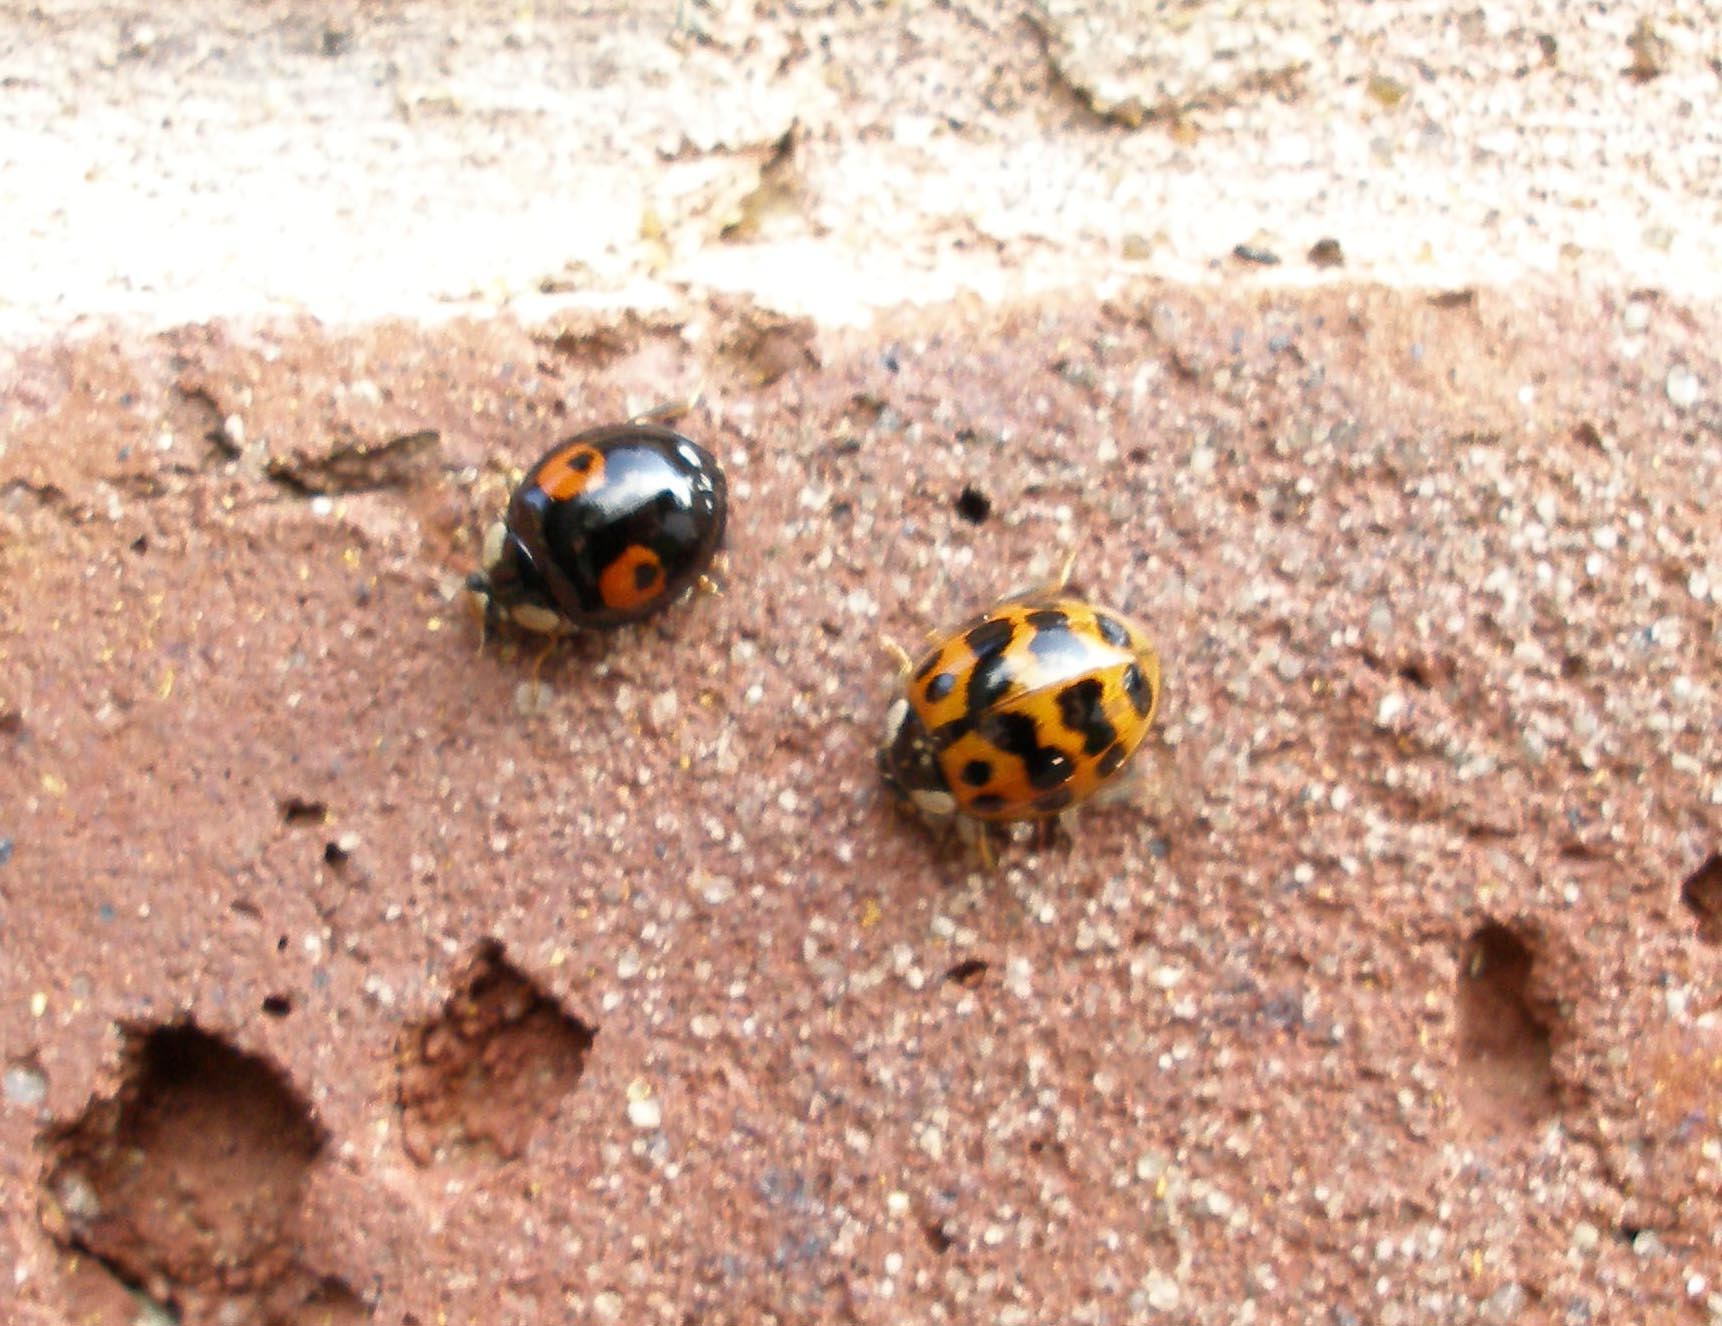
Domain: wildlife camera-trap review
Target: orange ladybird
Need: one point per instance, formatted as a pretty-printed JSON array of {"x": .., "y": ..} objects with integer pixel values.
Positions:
[
  {"x": 608, "y": 527},
  {"x": 1021, "y": 713}
]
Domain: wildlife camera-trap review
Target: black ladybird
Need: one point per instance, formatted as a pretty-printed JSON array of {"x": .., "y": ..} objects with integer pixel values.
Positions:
[{"x": 607, "y": 528}]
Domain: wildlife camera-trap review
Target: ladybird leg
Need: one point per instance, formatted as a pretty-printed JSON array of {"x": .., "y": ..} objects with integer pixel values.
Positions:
[
  {"x": 976, "y": 837},
  {"x": 905, "y": 664},
  {"x": 542, "y": 658},
  {"x": 480, "y": 605},
  {"x": 1056, "y": 829},
  {"x": 1058, "y": 583}
]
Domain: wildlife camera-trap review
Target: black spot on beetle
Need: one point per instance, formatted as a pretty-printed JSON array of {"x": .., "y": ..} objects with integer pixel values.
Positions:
[
  {"x": 988, "y": 803},
  {"x": 946, "y": 734},
  {"x": 645, "y": 575},
  {"x": 1048, "y": 619},
  {"x": 989, "y": 637},
  {"x": 1109, "y": 762},
  {"x": 973, "y": 505},
  {"x": 941, "y": 686},
  {"x": 1140, "y": 692},
  {"x": 1081, "y": 710},
  {"x": 1060, "y": 650},
  {"x": 1018, "y": 735},
  {"x": 977, "y": 773},
  {"x": 989, "y": 683},
  {"x": 1112, "y": 630},
  {"x": 1050, "y": 768}
]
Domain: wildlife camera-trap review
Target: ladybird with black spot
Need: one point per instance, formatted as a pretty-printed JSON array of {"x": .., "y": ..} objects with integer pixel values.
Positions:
[
  {"x": 1021, "y": 713},
  {"x": 607, "y": 528}
]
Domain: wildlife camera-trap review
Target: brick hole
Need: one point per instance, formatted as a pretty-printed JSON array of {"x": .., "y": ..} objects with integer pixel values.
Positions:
[
  {"x": 331, "y": 1303},
  {"x": 968, "y": 973},
  {"x": 1415, "y": 673},
  {"x": 973, "y": 505},
  {"x": 185, "y": 1184},
  {"x": 1506, "y": 1079},
  {"x": 1702, "y": 894},
  {"x": 477, "y": 1079},
  {"x": 301, "y": 810}
]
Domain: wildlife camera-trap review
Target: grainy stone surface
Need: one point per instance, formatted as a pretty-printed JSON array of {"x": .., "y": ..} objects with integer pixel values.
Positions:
[
  {"x": 1403, "y": 1004},
  {"x": 1370, "y": 356}
]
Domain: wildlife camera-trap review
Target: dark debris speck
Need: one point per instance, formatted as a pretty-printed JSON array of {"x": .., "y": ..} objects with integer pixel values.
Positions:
[{"x": 1259, "y": 256}]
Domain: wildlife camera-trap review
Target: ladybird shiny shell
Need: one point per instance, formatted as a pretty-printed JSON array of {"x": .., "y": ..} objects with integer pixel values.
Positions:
[
  {"x": 1022, "y": 712},
  {"x": 607, "y": 528}
]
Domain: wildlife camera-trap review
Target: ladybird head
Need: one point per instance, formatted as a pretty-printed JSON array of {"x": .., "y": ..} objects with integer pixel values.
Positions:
[
  {"x": 511, "y": 588},
  {"x": 909, "y": 768}
]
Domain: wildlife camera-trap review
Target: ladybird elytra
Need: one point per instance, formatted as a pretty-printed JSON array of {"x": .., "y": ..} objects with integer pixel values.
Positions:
[
  {"x": 606, "y": 528},
  {"x": 1022, "y": 712}
]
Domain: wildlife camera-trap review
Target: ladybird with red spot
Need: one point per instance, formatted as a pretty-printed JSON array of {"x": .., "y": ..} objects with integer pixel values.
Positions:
[
  {"x": 1021, "y": 713},
  {"x": 607, "y": 528}
]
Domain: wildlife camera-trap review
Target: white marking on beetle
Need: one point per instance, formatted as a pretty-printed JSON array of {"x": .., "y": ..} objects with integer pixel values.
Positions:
[
  {"x": 895, "y": 717},
  {"x": 934, "y": 803},
  {"x": 494, "y": 539},
  {"x": 535, "y": 618}
]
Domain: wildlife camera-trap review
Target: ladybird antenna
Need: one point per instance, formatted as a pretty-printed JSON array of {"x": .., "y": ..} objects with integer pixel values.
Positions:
[{"x": 667, "y": 410}]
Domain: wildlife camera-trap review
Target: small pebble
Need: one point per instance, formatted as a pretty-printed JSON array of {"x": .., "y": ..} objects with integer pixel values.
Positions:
[
  {"x": 1682, "y": 387},
  {"x": 1327, "y": 253},
  {"x": 1389, "y": 711},
  {"x": 24, "y": 1086},
  {"x": 645, "y": 1113},
  {"x": 1506, "y": 1303},
  {"x": 78, "y": 1198},
  {"x": 1162, "y": 1291}
]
